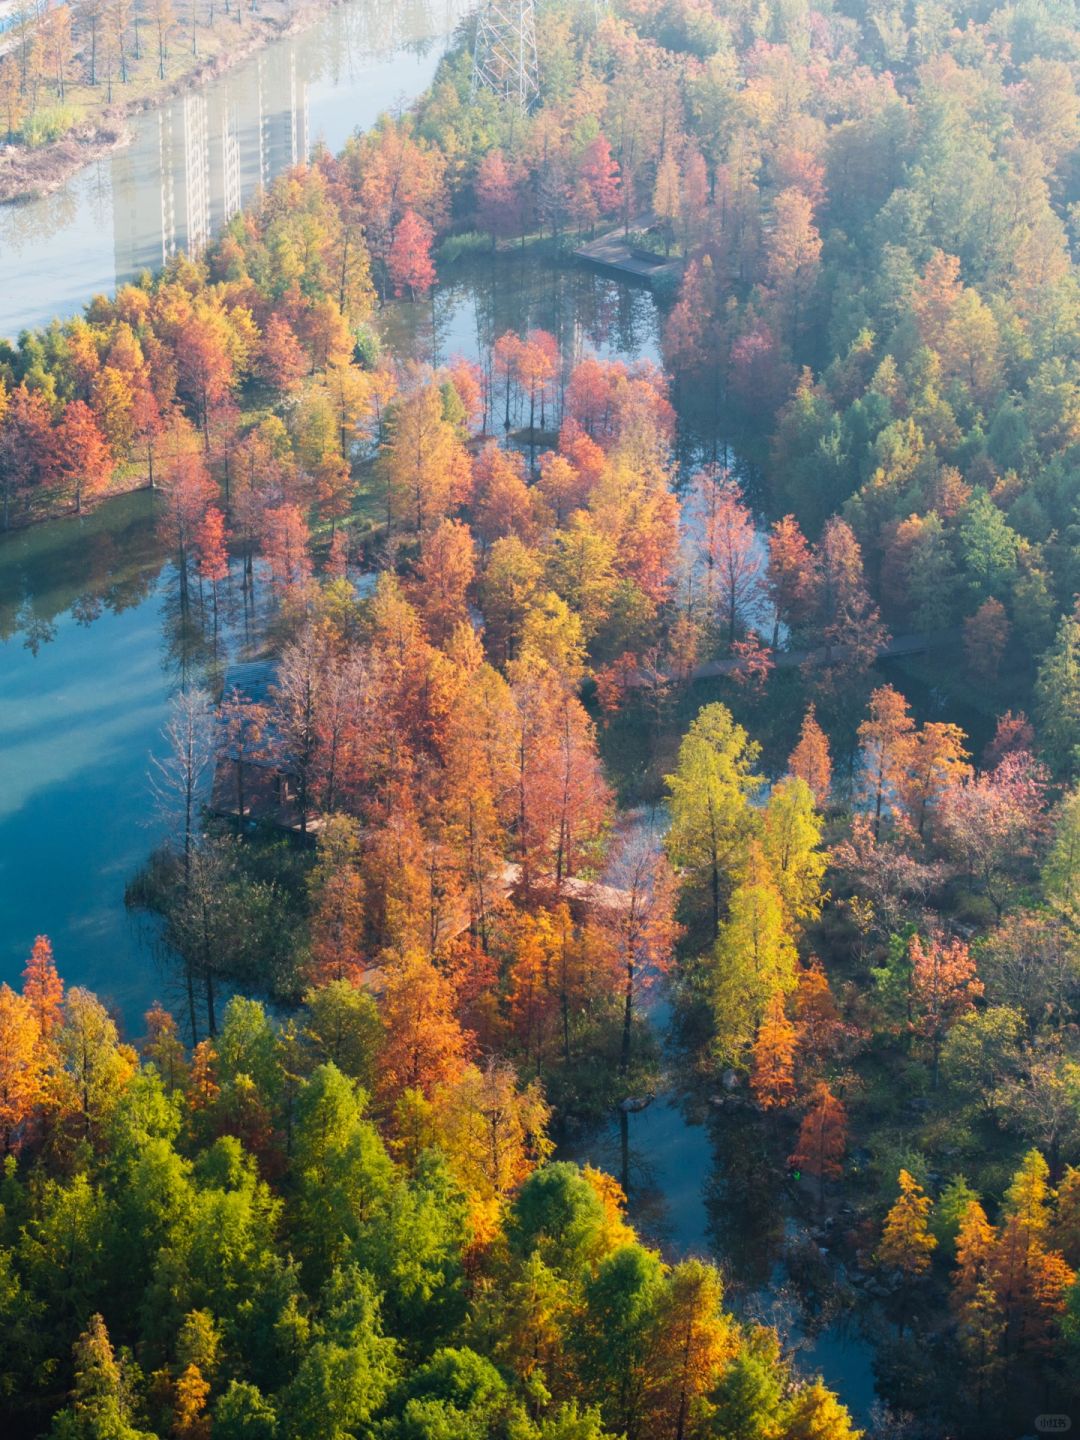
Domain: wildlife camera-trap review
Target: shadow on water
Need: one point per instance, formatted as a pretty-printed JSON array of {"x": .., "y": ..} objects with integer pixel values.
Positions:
[
  {"x": 93, "y": 644},
  {"x": 702, "y": 1178}
]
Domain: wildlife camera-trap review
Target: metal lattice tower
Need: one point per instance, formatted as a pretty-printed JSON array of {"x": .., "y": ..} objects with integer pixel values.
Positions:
[{"x": 504, "y": 59}]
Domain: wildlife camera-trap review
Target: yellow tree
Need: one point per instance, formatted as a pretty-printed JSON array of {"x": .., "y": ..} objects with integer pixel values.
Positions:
[
  {"x": 791, "y": 839},
  {"x": 423, "y": 463},
  {"x": 336, "y": 893},
  {"x": 886, "y": 737},
  {"x": 711, "y": 818},
  {"x": 494, "y": 1134},
  {"x": 190, "y": 1419},
  {"x": 936, "y": 761},
  {"x": 793, "y": 255},
  {"x": 816, "y": 1414},
  {"x": 906, "y": 1242},
  {"x": 754, "y": 959},
  {"x": 424, "y": 1044},
  {"x": 692, "y": 1343},
  {"x": 979, "y": 1314},
  {"x": 20, "y": 1067},
  {"x": 1030, "y": 1280}
]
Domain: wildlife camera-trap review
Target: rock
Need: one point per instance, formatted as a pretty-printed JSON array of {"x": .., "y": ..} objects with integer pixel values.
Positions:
[
  {"x": 633, "y": 1103},
  {"x": 730, "y": 1080}
]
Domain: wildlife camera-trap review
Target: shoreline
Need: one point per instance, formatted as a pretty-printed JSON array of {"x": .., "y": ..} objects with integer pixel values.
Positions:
[{"x": 27, "y": 175}]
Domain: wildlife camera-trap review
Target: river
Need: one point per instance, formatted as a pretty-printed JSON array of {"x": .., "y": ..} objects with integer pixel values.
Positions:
[{"x": 195, "y": 160}]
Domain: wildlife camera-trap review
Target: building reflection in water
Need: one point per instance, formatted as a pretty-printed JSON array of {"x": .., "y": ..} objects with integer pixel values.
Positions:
[{"x": 196, "y": 162}]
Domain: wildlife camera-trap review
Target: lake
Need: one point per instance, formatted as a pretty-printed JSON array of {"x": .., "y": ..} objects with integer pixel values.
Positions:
[{"x": 91, "y": 650}]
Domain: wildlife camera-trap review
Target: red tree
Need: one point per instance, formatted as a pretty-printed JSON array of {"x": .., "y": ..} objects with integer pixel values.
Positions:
[
  {"x": 723, "y": 539},
  {"x": 599, "y": 184},
  {"x": 498, "y": 197},
  {"x": 211, "y": 542},
  {"x": 282, "y": 363},
  {"x": 790, "y": 575},
  {"x": 80, "y": 459},
  {"x": 409, "y": 263},
  {"x": 811, "y": 761},
  {"x": 286, "y": 547},
  {"x": 944, "y": 985},
  {"x": 43, "y": 987},
  {"x": 822, "y": 1137}
]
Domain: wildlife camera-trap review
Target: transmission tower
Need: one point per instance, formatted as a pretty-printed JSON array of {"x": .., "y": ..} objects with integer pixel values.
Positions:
[{"x": 504, "y": 60}]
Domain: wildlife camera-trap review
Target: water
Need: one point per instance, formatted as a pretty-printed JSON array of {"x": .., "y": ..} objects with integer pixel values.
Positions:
[
  {"x": 91, "y": 651},
  {"x": 703, "y": 1179},
  {"x": 90, "y": 646},
  {"x": 195, "y": 160},
  {"x": 84, "y": 697}
]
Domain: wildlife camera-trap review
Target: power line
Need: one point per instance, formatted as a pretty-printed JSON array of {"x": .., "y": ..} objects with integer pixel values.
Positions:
[{"x": 504, "y": 57}]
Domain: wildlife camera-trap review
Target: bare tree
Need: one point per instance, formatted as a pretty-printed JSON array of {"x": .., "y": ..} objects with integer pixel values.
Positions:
[{"x": 178, "y": 779}]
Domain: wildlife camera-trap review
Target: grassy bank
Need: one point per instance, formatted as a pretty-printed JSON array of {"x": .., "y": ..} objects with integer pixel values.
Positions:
[{"x": 58, "y": 136}]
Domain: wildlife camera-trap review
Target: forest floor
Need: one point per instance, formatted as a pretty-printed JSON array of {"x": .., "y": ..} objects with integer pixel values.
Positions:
[{"x": 100, "y": 124}]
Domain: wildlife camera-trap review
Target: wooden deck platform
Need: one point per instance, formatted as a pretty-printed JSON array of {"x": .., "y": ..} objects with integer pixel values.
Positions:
[
  {"x": 894, "y": 648},
  {"x": 613, "y": 252}
]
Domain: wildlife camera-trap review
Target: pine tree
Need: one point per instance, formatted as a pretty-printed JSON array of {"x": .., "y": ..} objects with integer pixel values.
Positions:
[
  {"x": 906, "y": 1242},
  {"x": 1057, "y": 690},
  {"x": 772, "y": 1077},
  {"x": 754, "y": 959},
  {"x": 711, "y": 819},
  {"x": 811, "y": 761},
  {"x": 43, "y": 987},
  {"x": 822, "y": 1137}
]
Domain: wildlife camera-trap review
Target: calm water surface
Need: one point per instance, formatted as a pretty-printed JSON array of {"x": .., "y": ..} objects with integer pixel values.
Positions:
[{"x": 193, "y": 162}]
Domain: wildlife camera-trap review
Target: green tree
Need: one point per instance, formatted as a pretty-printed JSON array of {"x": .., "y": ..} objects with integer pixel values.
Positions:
[
  {"x": 349, "y": 1368},
  {"x": 988, "y": 549},
  {"x": 341, "y": 1027},
  {"x": 614, "y": 1335},
  {"x": 749, "y": 1398},
  {"x": 558, "y": 1214},
  {"x": 457, "y": 1395},
  {"x": 1057, "y": 696},
  {"x": 1061, "y": 870},
  {"x": 343, "y": 1175},
  {"x": 243, "y": 1413},
  {"x": 949, "y": 1212}
]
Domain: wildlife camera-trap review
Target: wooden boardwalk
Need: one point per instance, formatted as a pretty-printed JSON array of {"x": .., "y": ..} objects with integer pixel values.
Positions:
[
  {"x": 894, "y": 648},
  {"x": 613, "y": 252}
]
